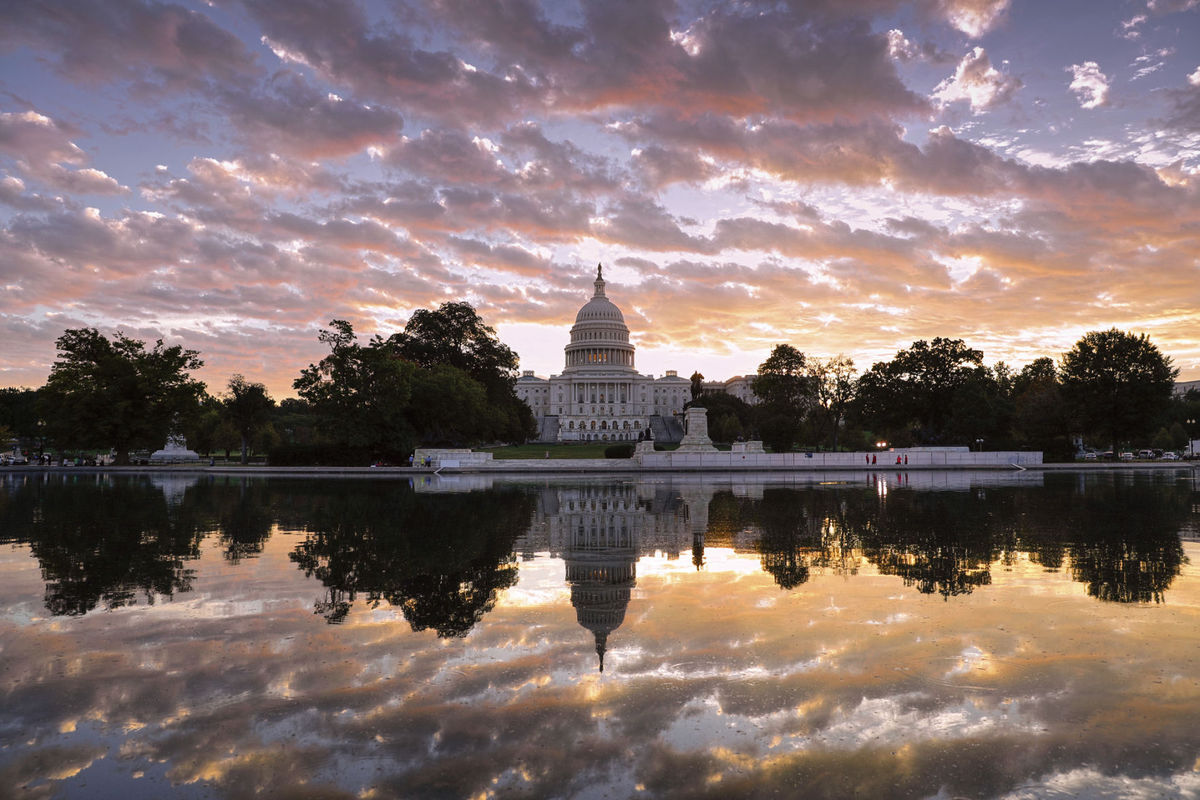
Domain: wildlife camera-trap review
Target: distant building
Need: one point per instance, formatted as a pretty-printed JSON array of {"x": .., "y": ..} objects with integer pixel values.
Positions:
[
  {"x": 600, "y": 395},
  {"x": 1183, "y": 387},
  {"x": 740, "y": 386}
]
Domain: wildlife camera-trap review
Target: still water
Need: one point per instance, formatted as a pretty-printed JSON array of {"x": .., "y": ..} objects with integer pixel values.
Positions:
[{"x": 1012, "y": 635}]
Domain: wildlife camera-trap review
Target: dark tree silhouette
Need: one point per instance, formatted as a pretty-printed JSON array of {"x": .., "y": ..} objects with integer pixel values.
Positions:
[
  {"x": 1116, "y": 383},
  {"x": 117, "y": 393}
]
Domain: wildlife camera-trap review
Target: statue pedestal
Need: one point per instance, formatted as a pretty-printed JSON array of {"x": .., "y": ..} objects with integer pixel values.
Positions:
[
  {"x": 176, "y": 452},
  {"x": 696, "y": 439}
]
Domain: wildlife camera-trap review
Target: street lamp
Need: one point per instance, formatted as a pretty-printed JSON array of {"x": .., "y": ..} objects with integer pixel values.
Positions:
[
  {"x": 979, "y": 445},
  {"x": 1191, "y": 441}
]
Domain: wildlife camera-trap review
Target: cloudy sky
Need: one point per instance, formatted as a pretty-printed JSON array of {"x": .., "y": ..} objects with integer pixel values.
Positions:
[{"x": 843, "y": 175}]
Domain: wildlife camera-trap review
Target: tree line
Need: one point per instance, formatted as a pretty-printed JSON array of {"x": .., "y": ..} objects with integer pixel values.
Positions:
[
  {"x": 1113, "y": 388},
  {"x": 444, "y": 379}
]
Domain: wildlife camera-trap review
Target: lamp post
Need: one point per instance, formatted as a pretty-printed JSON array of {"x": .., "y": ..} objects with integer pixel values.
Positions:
[
  {"x": 1189, "y": 426},
  {"x": 979, "y": 445}
]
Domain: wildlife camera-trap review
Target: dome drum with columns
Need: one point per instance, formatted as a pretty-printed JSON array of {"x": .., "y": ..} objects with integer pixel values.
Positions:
[{"x": 600, "y": 396}]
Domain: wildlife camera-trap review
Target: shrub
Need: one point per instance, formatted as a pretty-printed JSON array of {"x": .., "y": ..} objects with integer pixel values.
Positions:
[{"x": 619, "y": 451}]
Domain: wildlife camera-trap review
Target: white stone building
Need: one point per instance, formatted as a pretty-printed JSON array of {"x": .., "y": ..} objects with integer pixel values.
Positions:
[{"x": 600, "y": 395}]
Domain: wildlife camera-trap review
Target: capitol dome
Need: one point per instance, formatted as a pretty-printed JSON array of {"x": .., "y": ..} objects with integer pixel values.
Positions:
[
  {"x": 600, "y": 307},
  {"x": 599, "y": 337}
]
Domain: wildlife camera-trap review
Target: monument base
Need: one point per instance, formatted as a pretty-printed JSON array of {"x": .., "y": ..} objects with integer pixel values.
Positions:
[
  {"x": 696, "y": 439},
  {"x": 176, "y": 452}
]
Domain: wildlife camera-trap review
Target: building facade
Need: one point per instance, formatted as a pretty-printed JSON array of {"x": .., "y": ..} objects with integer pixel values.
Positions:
[{"x": 600, "y": 395}]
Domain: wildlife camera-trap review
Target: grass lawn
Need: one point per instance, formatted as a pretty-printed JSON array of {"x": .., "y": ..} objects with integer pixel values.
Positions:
[{"x": 582, "y": 450}]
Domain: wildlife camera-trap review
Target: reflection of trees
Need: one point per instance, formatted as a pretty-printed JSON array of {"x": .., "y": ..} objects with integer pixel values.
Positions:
[
  {"x": 442, "y": 559},
  {"x": 102, "y": 541},
  {"x": 791, "y": 533},
  {"x": 1116, "y": 534},
  {"x": 242, "y": 510},
  {"x": 799, "y": 530},
  {"x": 1123, "y": 538},
  {"x": 937, "y": 542}
]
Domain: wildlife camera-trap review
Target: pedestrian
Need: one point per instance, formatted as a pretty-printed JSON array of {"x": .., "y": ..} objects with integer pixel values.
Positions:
[
  {"x": 897, "y": 460},
  {"x": 867, "y": 457},
  {"x": 873, "y": 460},
  {"x": 906, "y": 459}
]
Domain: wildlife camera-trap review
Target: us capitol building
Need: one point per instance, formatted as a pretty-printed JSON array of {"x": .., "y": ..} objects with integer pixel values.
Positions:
[{"x": 600, "y": 395}]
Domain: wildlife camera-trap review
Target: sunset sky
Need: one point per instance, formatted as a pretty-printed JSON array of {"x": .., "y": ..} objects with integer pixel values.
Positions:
[{"x": 842, "y": 175}]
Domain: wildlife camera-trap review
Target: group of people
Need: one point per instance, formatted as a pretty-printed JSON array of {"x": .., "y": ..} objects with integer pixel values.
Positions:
[{"x": 871, "y": 459}]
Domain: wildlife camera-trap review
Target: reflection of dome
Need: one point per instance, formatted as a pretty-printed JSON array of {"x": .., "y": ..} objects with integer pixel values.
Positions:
[
  {"x": 601, "y": 557},
  {"x": 600, "y": 591}
]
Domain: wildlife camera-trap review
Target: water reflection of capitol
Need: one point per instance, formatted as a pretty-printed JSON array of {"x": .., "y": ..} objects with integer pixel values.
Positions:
[{"x": 600, "y": 532}]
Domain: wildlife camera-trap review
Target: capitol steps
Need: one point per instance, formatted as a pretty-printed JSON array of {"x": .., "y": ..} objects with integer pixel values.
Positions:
[{"x": 667, "y": 430}]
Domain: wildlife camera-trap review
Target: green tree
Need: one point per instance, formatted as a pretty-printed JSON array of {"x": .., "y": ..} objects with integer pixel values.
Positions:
[
  {"x": 787, "y": 393},
  {"x": 915, "y": 391},
  {"x": 1179, "y": 438},
  {"x": 117, "y": 393},
  {"x": 728, "y": 417},
  {"x": 1162, "y": 440},
  {"x": 1116, "y": 383},
  {"x": 19, "y": 415},
  {"x": 454, "y": 335},
  {"x": 293, "y": 418},
  {"x": 1039, "y": 411},
  {"x": 359, "y": 393},
  {"x": 982, "y": 408},
  {"x": 202, "y": 432},
  {"x": 833, "y": 379},
  {"x": 783, "y": 381},
  {"x": 449, "y": 407},
  {"x": 248, "y": 408}
]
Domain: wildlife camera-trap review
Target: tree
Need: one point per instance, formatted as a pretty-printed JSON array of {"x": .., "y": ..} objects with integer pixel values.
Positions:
[
  {"x": 833, "y": 379},
  {"x": 454, "y": 335},
  {"x": 19, "y": 416},
  {"x": 1115, "y": 383},
  {"x": 202, "y": 432},
  {"x": 783, "y": 381},
  {"x": 982, "y": 408},
  {"x": 449, "y": 407},
  {"x": 728, "y": 417},
  {"x": 1039, "y": 413},
  {"x": 247, "y": 406},
  {"x": 787, "y": 393},
  {"x": 117, "y": 393},
  {"x": 697, "y": 384},
  {"x": 359, "y": 393},
  {"x": 915, "y": 391}
]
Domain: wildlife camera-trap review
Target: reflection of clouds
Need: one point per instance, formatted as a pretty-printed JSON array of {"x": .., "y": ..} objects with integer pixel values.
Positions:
[{"x": 718, "y": 683}]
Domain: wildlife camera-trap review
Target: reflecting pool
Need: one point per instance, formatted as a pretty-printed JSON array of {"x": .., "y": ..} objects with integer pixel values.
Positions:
[{"x": 910, "y": 635}]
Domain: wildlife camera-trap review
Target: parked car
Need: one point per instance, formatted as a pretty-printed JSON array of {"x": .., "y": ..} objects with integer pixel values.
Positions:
[
  {"x": 1169, "y": 456},
  {"x": 1089, "y": 456},
  {"x": 1126, "y": 456}
]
